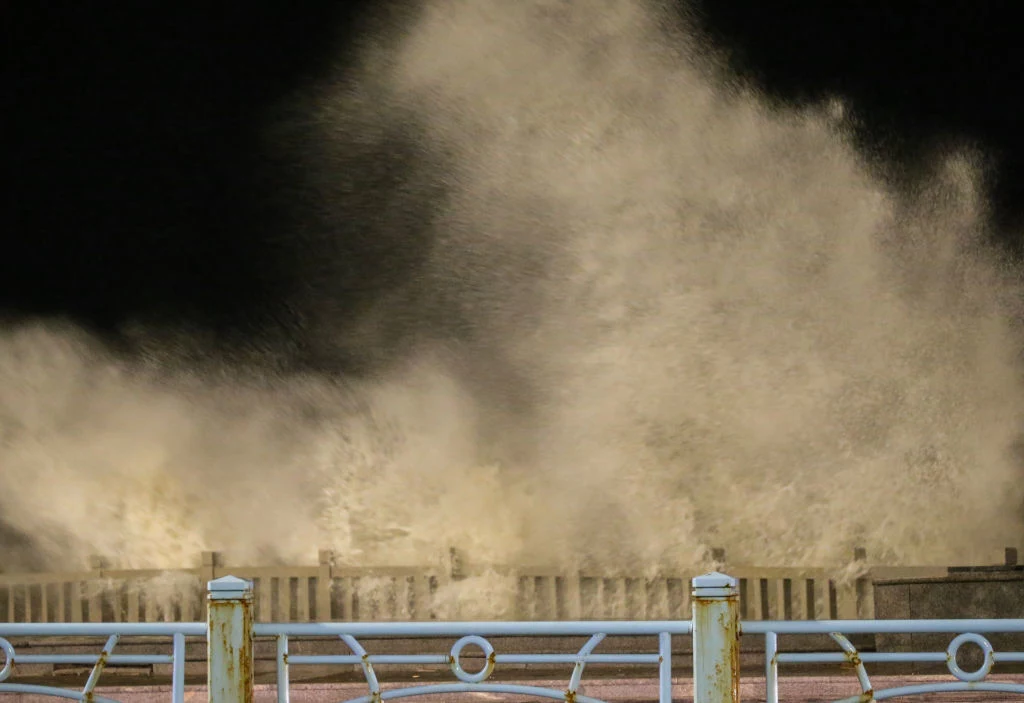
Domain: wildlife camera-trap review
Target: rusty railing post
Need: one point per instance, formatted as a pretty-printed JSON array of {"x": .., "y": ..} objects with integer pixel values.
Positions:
[
  {"x": 229, "y": 640},
  {"x": 716, "y": 643}
]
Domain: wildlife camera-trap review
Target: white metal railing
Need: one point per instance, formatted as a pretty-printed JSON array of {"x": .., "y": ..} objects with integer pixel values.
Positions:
[
  {"x": 476, "y": 634},
  {"x": 715, "y": 630},
  {"x": 175, "y": 632},
  {"x": 969, "y": 631}
]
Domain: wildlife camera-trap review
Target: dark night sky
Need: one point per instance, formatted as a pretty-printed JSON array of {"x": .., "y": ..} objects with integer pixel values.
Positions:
[{"x": 139, "y": 190}]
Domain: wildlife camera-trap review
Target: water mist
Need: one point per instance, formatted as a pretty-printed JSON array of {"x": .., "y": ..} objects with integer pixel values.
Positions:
[{"x": 655, "y": 315}]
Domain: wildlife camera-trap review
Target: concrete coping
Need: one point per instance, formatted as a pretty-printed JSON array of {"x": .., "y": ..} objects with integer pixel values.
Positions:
[
  {"x": 714, "y": 579},
  {"x": 228, "y": 588}
]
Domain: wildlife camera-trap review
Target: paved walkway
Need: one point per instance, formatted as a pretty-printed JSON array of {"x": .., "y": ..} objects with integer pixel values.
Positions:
[{"x": 802, "y": 689}]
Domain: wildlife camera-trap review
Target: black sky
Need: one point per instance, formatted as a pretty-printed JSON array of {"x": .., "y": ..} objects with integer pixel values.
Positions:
[{"x": 139, "y": 188}]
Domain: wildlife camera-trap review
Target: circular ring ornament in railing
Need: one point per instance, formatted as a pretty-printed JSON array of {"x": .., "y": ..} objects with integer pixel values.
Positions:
[
  {"x": 456, "y": 666},
  {"x": 8, "y": 649},
  {"x": 986, "y": 648}
]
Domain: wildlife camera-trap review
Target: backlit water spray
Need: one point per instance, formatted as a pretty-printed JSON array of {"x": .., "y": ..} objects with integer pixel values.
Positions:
[{"x": 682, "y": 319}]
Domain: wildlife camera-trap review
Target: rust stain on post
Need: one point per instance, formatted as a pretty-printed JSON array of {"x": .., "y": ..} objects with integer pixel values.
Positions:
[
  {"x": 230, "y": 641},
  {"x": 716, "y": 639}
]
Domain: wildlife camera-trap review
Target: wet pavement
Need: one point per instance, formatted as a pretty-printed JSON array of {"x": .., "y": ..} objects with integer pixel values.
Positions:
[{"x": 799, "y": 689}]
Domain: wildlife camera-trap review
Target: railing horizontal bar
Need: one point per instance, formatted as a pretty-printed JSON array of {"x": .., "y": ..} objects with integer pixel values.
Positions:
[
  {"x": 314, "y": 659},
  {"x": 866, "y": 657},
  {"x": 459, "y": 629},
  {"x": 824, "y": 627},
  {"x": 93, "y": 658},
  {"x": 513, "y": 629},
  {"x": 1008, "y": 656},
  {"x": 443, "y": 659},
  {"x": 103, "y": 629},
  {"x": 373, "y": 659},
  {"x": 572, "y": 659}
]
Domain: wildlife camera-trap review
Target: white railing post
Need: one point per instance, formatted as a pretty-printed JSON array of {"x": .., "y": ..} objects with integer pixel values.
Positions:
[
  {"x": 229, "y": 640},
  {"x": 716, "y": 643}
]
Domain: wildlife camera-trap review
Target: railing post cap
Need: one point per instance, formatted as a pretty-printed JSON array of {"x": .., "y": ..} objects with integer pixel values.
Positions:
[
  {"x": 714, "y": 580},
  {"x": 228, "y": 587}
]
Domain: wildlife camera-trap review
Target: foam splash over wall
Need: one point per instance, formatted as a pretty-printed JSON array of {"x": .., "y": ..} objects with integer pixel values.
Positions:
[
  {"x": 104, "y": 456},
  {"x": 728, "y": 332},
  {"x": 748, "y": 342}
]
